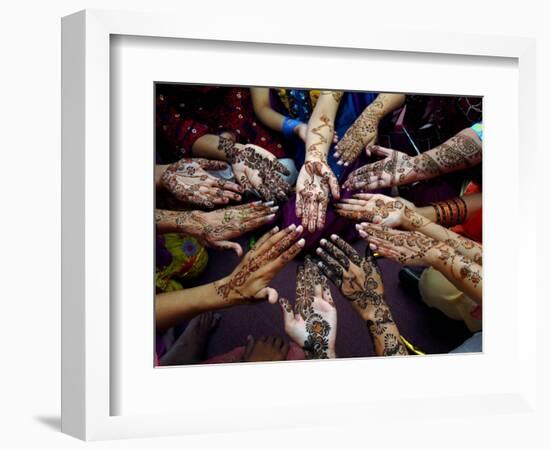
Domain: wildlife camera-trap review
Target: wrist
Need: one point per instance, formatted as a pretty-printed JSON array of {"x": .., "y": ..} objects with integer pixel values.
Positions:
[
  {"x": 227, "y": 295},
  {"x": 412, "y": 220},
  {"x": 437, "y": 256}
]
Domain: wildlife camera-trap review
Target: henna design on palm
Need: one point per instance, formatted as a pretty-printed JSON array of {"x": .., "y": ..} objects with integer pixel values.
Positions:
[
  {"x": 189, "y": 181},
  {"x": 256, "y": 169},
  {"x": 312, "y": 321}
]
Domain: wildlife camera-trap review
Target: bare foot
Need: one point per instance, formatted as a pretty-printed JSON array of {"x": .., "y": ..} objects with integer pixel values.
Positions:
[
  {"x": 190, "y": 347},
  {"x": 265, "y": 349}
]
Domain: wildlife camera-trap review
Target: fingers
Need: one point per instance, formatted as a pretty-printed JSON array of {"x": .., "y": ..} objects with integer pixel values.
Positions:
[
  {"x": 277, "y": 237},
  {"x": 336, "y": 253},
  {"x": 299, "y": 206},
  {"x": 210, "y": 164},
  {"x": 347, "y": 249},
  {"x": 227, "y": 245},
  {"x": 321, "y": 214},
  {"x": 281, "y": 168},
  {"x": 270, "y": 294},
  {"x": 334, "y": 274},
  {"x": 288, "y": 313},
  {"x": 284, "y": 244},
  {"x": 264, "y": 238},
  {"x": 333, "y": 185},
  {"x": 227, "y": 185},
  {"x": 330, "y": 264},
  {"x": 300, "y": 283},
  {"x": 380, "y": 151},
  {"x": 252, "y": 224},
  {"x": 289, "y": 254}
]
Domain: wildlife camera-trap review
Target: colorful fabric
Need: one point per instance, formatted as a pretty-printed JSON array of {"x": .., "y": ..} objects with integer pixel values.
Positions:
[
  {"x": 299, "y": 103},
  {"x": 178, "y": 258},
  {"x": 185, "y": 113}
]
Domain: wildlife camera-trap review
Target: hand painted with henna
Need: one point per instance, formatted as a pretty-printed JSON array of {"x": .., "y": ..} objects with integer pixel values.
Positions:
[
  {"x": 360, "y": 281},
  {"x": 361, "y": 135},
  {"x": 249, "y": 282},
  {"x": 358, "y": 278},
  {"x": 313, "y": 186},
  {"x": 395, "y": 169},
  {"x": 406, "y": 247},
  {"x": 189, "y": 181},
  {"x": 215, "y": 228},
  {"x": 256, "y": 169},
  {"x": 377, "y": 208},
  {"x": 312, "y": 322}
]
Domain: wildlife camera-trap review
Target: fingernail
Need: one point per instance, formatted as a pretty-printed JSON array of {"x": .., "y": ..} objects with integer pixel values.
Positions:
[
  {"x": 346, "y": 164},
  {"x": 362, "y": 233},
  {"x": 275, "y": 229},
  {"x": 339, "y": 163},
  {"x": 271, "y": 217},
  {"x": 372, "y": 246},
  {"x": 318, "y": 251},
  {"x": 323, "y": 241},
  {"x": 301, "y": 242},
  {"x": 336, "y": 154},
  {"x": 357, "y": 227},
  {"x": 270, "y": 203},
  {"x": 275, "y": 208},
  {"x": 292, "y": 227},
  {"x": 333, "y": 236},
  {"x": 299, "y": 229}
]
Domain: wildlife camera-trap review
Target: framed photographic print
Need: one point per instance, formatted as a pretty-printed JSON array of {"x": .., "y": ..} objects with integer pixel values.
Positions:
[{"x": 324, "y": 214}]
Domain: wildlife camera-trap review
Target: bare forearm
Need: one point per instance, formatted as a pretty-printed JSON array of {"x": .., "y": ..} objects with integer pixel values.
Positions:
[
  {"x": 264, "y": 111},
  {"x": 172, "y": 308}
]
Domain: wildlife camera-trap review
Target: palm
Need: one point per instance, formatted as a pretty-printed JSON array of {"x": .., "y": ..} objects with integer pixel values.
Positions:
[
  {"x": 258, "y": 170},
  {"x": 313, "y": 186},
  {"x": 188, "y": 181},
  {"x": 312, "y": 321}
]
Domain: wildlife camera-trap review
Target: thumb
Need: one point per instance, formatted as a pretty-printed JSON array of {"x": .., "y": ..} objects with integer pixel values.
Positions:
[
  {"x": 267, "y": 293},
  {"x": 380, "y": 151},
  {"x": 227, "y": 245},
  {"x": 281, "y": 168},
  {"x": 334, "y": 187},
  {"x": 208, "y": 164},
  {"x": 288, "y": 313}
]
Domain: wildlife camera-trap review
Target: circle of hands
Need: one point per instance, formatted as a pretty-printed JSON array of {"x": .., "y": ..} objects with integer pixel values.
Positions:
[{"x": 311, "y": 322}]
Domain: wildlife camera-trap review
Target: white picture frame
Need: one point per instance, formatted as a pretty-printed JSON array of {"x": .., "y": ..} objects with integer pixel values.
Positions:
[{"x": 87, "y": 328}]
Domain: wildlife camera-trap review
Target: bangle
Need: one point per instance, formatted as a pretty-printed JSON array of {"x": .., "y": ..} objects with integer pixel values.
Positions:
[{"x": 289, "y": 125}]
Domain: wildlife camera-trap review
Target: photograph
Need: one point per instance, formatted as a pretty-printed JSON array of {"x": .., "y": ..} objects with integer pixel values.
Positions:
[{"x": 298, "y": 224}]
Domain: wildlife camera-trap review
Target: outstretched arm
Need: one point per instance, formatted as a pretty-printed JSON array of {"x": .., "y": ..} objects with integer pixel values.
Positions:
[
  {"x": 316, "y": 179},
  {"x": 247, "y": 283},
  {"x": 397, "y": 168},
  {"x": 396, "y": 212},
  {"x": 415, "y": 248},
  {"x": 364, "y": 131},
  {"x": 360, "y": 281},
  {"x": 215, "y": 228}
]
